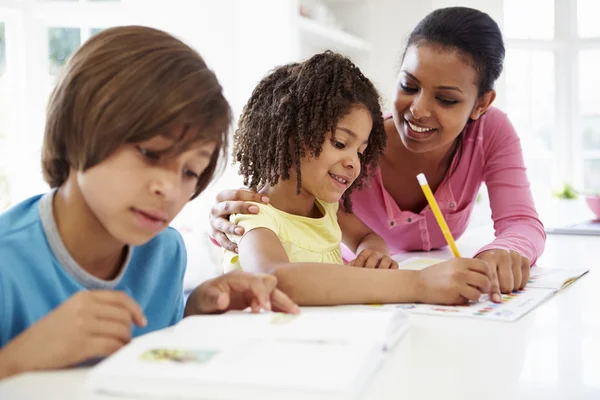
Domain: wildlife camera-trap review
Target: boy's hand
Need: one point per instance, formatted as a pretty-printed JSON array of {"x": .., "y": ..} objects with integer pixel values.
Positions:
[
  {"x": 232, "y": 202},
  {"x": 90, "y": 324},
  {"x": 239, "y": 290},
  {"x": 373, "y": 259},
  {"x": 455, "y": 281}
]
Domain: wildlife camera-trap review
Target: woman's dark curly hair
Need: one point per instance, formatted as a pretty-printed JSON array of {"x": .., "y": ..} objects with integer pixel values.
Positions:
[{"x": 293, "y": 108}]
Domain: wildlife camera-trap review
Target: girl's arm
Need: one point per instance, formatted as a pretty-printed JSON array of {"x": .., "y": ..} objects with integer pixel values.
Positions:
[
  {"x": 371, "y": 250},
  {"x": 454, "y": 281},
  {"x": 358, "y": 236},
  {"x": 324, "y": 284}
]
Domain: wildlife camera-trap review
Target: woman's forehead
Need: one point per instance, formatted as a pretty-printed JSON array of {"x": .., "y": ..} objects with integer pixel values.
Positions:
[{"x": 434, "y": 65}]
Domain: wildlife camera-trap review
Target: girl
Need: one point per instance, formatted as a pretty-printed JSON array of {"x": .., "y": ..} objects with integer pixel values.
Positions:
[{"x": 309, "y": 136}]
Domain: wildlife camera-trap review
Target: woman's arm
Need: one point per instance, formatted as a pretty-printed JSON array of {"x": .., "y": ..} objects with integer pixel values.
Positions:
[{"x": 516, "y": 221}]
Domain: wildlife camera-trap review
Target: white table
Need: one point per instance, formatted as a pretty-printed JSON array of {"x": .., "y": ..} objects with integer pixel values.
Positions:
[{"x": 551, "y": 353}]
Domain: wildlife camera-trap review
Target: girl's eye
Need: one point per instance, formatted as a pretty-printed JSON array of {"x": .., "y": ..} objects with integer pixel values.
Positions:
[
  {"x": 338, "y": 145},
  {"x": 191, "y": 174},
  {"x": 149, "y": 154},
  {"x": 407, "y": 88}
]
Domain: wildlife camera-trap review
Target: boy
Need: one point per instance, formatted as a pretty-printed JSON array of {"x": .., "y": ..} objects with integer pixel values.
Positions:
[{"x": 135, "y": 129}]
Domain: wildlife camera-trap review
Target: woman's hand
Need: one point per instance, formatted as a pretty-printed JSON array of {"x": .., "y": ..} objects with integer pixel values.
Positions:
[
  {"x": 510, "y": 269},
  {"x": 232, "y": 202}
]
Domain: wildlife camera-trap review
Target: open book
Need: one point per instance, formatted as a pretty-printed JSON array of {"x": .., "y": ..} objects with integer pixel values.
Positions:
[
  {"x": 543, "y": 283},
  {"x": 323, "y": 353},
  {"x": 591, "y": 227}
]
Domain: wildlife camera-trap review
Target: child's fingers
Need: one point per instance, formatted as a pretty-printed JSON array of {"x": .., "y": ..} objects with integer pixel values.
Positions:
[
  {"x": 470, "y": 293},
  {"x": 259, "y": 286},
  {"x": 213, "y": 300},
  {"x": 385, "y": 263},
  {"x": 110, "y": 329},
  {"x": 478, "y": 281},
  {"x": 120, "y": 299},
  {"x": 112, "y": 312},
  {"x": 359, "y": 261},
  {"x": 372, "y": 261},
  {"x": 281, "y": 302}
]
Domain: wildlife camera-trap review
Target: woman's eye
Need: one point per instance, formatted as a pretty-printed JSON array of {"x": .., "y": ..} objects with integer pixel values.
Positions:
[
  {"x": 447, "y": 101},
  {"x": 148, "y": 154},
  {"x": 408, "y": 88}
]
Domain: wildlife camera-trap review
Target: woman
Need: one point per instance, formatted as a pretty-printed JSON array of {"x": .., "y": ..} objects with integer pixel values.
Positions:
[{"x": 443, "y": 125}]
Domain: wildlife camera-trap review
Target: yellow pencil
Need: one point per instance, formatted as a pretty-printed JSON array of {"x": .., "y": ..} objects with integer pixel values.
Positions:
[{"x": 438, "y": 214}]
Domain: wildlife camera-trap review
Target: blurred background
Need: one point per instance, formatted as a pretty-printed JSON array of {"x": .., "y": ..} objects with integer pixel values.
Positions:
[{"x": 550, "y": 87}]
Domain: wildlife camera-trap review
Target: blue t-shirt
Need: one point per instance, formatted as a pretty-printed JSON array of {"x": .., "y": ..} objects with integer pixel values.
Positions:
[{"x": 37, "y": 273}]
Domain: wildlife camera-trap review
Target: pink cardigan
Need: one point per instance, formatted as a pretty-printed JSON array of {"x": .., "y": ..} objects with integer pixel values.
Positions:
[{"x": 491, "y": 154}]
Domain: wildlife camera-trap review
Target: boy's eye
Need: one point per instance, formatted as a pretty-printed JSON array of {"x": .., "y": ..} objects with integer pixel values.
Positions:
[
  {"x": 191, "y": 174},
  {"x": 148, "y": 154}
]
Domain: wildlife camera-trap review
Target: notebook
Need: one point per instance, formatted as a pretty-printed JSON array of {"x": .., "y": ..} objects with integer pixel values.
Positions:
[
  {"x": 591, "y": 227},
  {"x": 323, "y": 353},
  {"x": 543, "y": 283}
]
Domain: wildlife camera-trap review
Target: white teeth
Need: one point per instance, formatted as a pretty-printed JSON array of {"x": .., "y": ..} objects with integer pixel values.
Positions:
[
  {"x": 418, "y": 128},
  {"x": 340, "y": 180}
]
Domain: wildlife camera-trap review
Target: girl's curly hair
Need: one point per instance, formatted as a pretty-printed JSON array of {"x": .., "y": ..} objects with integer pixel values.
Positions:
[{"x": 293, "y": 108}]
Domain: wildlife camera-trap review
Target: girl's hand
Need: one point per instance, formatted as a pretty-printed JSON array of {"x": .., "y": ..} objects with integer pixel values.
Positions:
[
  {"x": 373, "y": 259},
  {"x": 455, "y": 281},
  {"x": 510, "y": 269},
  {"x": 232, "y": 202}
]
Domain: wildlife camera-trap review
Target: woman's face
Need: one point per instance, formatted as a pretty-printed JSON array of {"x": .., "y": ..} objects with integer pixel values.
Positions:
[{"x": 435, "y": 96}]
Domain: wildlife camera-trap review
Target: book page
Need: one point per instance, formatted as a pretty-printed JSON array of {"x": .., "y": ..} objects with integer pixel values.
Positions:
[
  {"x": 417, "y": 263},
  {"x": 330, "y": 324},
  {"x": 186, "y": 367},
  {"x": 551, "y": 278},
  {"x": 513, "y": 306}
]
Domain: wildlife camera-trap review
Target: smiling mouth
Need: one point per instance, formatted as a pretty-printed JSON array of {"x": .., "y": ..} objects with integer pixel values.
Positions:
[
  {"x": 339, "y": 179},
  {"x": 419, "y": 129}
]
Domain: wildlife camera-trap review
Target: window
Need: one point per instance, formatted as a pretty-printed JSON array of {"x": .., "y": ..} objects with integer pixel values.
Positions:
[
  {"x": 36, "y": 39},
  {"x": 552, "y": 89},
  {"x": 61, "y": 43}
]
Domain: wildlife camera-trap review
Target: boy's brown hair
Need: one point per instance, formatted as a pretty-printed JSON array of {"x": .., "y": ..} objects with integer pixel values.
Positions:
[{"x": 127, "y": 85}]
